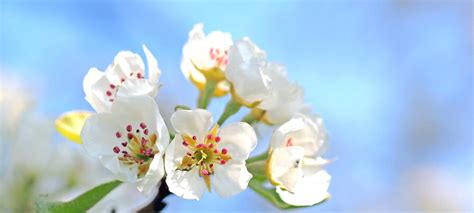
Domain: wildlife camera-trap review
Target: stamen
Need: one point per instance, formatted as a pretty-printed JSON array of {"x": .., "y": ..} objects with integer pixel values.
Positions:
[
  {"x": 194, "y": 138},
  {"x": 224, "y": 151},
  {"x": 112, "y": 86},
  {"x": 145, "y": 131},
  {"x": 205, "y": 172},
  {"x": 118, "y": 134},
  {"x": 139, "y": 75},
  {"x": 108, "y": 93},
  {"x": 116, "y": 149},
  {"x": 129, "y": 128},
  {"x": 124, "y": 144},
  {"x": 185, "y": 143},
  {"x": 209, "y": 136},
  {"x": 130, "y": 136},
  {"x": 217, "y": 139},
  {"x": 149, "y": 152},
  {"x": 223, "y": 162},
  {"x": 143, "y": 125}
]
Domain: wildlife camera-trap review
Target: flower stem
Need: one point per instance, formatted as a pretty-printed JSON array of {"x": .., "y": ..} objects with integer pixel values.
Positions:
[
  {"x": 260, "y": 157},
  {"x": 231, "y": 108},
  {"x": 181, "y": 107},
  {"x": 206, "y": 94},
  {"x": 250, "y": 119},
  {"x": 268, "y": 193}
]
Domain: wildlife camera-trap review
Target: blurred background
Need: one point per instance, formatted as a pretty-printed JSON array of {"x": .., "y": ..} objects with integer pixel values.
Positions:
[{"x": 393, "y": 81}]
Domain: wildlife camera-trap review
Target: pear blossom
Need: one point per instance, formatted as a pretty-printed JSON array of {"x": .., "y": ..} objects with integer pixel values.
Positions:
[
  {"x": 248, "y": 73},
  {"x": 125, "y": 76},
  {"x": 201, "y": 157},
  {"x": 129, "y": 141},
  {"x": 295, "y": 163},
  {"x": 285, "y": 100},
  {"x": 205, "y": 58}
]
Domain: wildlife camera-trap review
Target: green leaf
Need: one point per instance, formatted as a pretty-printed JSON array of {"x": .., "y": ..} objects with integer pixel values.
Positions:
[{"x": 79, "y": 204}]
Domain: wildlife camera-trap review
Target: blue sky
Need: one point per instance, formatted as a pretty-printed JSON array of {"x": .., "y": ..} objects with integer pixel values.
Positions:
[{"x": 393, "y": 80}]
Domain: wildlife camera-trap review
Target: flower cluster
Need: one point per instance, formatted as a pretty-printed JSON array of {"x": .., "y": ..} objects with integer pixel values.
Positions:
[{"x": 195, "y": 154}]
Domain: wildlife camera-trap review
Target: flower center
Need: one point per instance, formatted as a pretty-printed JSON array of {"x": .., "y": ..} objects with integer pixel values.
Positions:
[
  {"x": 204, "y": 155},
  {"x": 137, "y": 147},
  {"x": 219, "y": 56}
]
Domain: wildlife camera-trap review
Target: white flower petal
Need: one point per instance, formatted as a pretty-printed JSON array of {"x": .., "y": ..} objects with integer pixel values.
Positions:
[
  {"x": 197, "y": 32},
  {"x": 153, "y": 71},
  {"x": 247, "y": 71},
  {"x": 192, "y": 122},
  {"x": 230, "y": 179},
  {"x": 285, "y": 166},
  {"x": 286, "y": 98},
  {"x": 174, "y": 153},
  {"x": 303, "y": 131},
  {"x": 90, "y": 79},
  {"x": 136, "y": 87},
  {"x": 186, "y": 184},
  {"x": 128, "y": 65},
  {"x": 309, "y": 191},
  {"x": 95, "y": 87},
  {"x": 153, "y": 176},
  {"x": 125, "y": 198},
  {"x": 98, "y": 134},
  {"x": 239, "y": 139},
  {"x": 121, "y": 172}
]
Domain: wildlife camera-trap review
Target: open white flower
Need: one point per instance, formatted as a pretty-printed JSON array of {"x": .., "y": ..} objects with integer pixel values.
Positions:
[
  {"x": 125, "y": 76},
  {"x": 286, "y": 98},
  {"x": 295, "y": 165},
  {"x": 129, "y": 141},
  {"x": 200, "y": 157},
  {"x": 205, "y": 58},
  {"x": 248, "y": 72}
]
